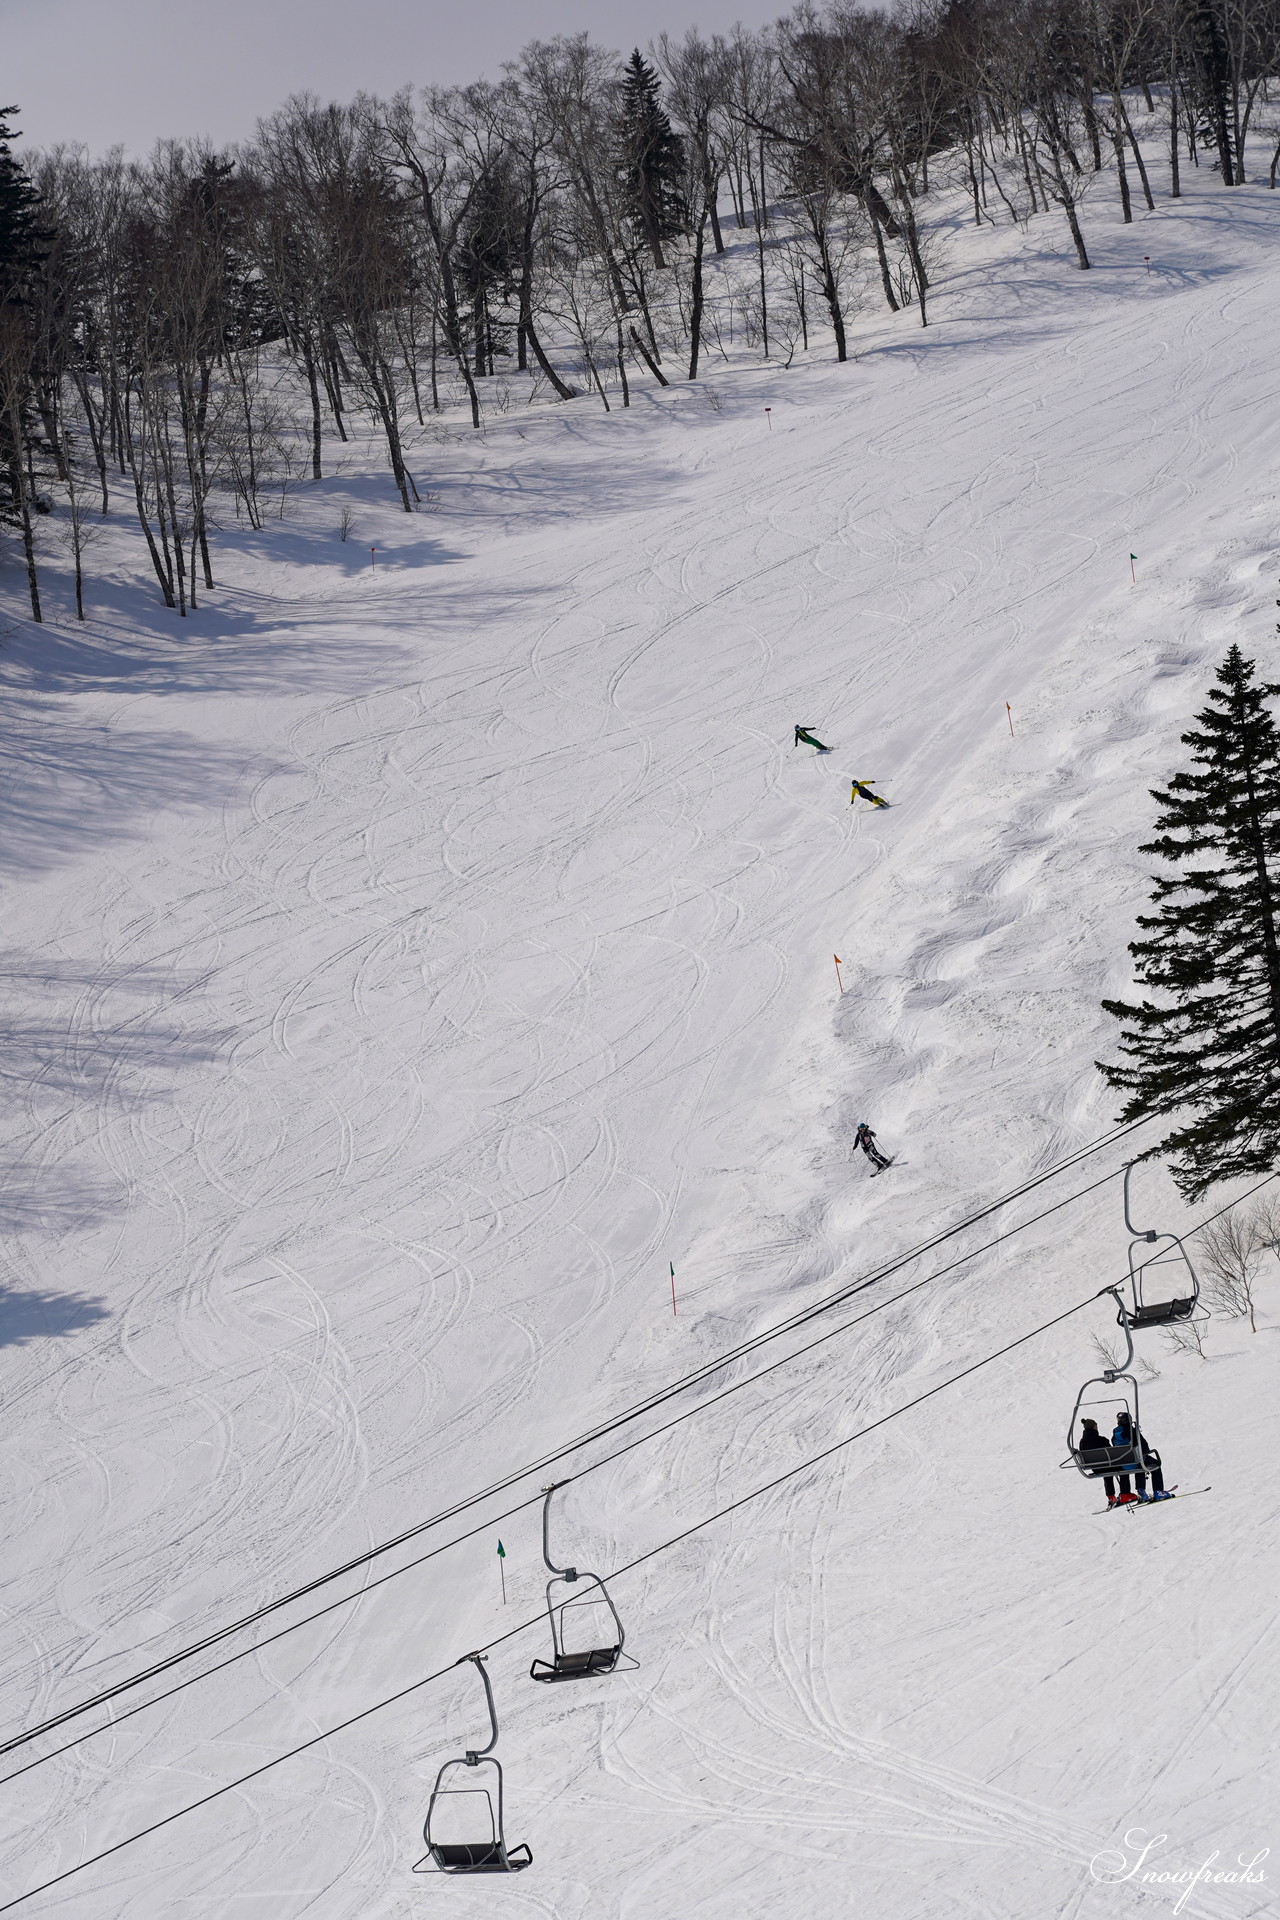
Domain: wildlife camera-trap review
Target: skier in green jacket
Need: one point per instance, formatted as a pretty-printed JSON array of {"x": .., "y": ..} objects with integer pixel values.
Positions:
[{"x": 810, "y": 740}]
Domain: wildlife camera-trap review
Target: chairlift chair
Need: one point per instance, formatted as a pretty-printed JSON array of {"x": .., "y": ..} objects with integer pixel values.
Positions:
[
  {"x": 1105, "y": 1459},
  {"x": 485, "y": 1848},
  {"x": 587, "y": 1663},
  {"x": 1169, "y": 1253}
]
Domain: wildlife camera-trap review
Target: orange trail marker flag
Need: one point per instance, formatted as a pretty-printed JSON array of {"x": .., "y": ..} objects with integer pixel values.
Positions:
[
  {"x": 839, "y": 981},
  {"x": 1009, "y": 710}
]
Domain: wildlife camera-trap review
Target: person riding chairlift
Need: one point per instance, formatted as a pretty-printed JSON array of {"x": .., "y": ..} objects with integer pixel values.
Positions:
[
  {"x": 1123, "y": 1437},
  {"x": 1093, "y": 1449}
]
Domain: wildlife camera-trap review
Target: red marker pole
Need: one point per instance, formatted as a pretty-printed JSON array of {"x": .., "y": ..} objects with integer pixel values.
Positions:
[
  {"x": 767, "y": 414},
  {"x": 372, "y": 562},
  {"x": 839, "y": 981},
  {"x": 1147, "y": 258},
  {"x": 1009, "y": 710},
  {"x": 673, "y": 1291}
]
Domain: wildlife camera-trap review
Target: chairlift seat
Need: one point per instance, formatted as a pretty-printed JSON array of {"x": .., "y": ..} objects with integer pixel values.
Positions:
[
  {"x": 576, "y": 1666},
  {"x": 488, "y": 1856},
  {"x": 1169, "y": 1253},
  {"x": 570, "y": 1589},
  {"x": 1099, "y": 1460},
  {"x": 482, "y": 1771},
  {"x": 1161, "y": 1312}
]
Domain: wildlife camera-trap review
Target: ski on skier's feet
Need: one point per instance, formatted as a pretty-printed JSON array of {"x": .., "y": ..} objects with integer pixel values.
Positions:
[
  {"x": 884, "y": 1169},
  {"x": 1171, "y": 1493}
]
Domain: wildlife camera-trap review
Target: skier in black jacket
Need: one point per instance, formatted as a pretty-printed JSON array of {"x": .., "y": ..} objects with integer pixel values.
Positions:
[
  {"x": 865, "y": 1139},
  {"x": 1095, "y": 1452}
]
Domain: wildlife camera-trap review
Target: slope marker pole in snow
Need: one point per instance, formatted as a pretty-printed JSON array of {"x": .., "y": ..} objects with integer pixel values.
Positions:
[
  {"x": 1009, "y": 710},
  {"x": 373, "y": 565},
  {"x": 502, "y": 1570},
  {"x": 768, "y": 416},
  {"x": 1133, "y": 572},
  {"x": 839, "y": 981},
  {"x": 674, "y": 1315}
]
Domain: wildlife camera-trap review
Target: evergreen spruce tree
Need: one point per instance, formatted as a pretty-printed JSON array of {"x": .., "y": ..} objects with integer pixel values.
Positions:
[
  {"x": 1207, "y": 1047},
  {"x": 21, "y": 246},
  {"x": 22, "y": 251},
  {"x": 650, "y": 160}
]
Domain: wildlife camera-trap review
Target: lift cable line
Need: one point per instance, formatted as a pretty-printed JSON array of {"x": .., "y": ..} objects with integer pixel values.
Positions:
[
  {"x": 493, "y": 1520},
  {"x": 608, "y": 1459},
  {"x": 539, "y": 1619},
  {"x": 650, "y": 1404}
]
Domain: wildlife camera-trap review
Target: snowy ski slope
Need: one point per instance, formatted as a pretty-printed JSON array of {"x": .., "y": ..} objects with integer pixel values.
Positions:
[{"x": 404, "y": 966}]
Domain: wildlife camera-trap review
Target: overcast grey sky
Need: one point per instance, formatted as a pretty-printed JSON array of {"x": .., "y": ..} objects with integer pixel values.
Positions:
[{"x": 133, "y": 71}]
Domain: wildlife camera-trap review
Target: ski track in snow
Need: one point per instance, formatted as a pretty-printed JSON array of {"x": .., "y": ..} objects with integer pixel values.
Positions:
[{"x": 404, "y": 968}]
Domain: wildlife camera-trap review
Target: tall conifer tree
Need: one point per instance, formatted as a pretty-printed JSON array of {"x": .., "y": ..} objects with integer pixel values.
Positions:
[
  {"x": 22, "y": 250},
  {"x": 20, "y": 236},
  {"x": 1206, "y": 1048},
  {"x": 651, "y": 159}
]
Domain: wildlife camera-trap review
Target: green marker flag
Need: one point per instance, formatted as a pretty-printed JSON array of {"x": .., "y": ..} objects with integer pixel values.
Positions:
[{"x": 502, "y": 1554}]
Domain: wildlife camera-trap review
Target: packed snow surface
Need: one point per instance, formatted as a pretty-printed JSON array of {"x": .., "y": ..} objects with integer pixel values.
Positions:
[{"x": 407, "y": 964}]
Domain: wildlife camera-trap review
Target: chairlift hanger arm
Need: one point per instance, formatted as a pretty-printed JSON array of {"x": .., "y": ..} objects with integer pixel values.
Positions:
[
  {"x": 561, "y": 1573},
  {"x": 476, "y": 1754},
  {"x": 1122, "y": 1316},
  {"x": 1137, "y": 1232}
]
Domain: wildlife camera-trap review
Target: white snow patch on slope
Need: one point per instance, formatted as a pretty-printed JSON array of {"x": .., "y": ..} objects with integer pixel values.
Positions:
[{"x": 404, "y": 967}]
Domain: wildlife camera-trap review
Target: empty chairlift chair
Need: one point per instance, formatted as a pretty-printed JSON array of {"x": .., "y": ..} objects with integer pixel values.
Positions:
[
  {"x": 1166, "y": 1270},
  {"x": 463, "y": 1829},
  {"x": 586, "y": 1613},
  {"x": 1095, "y": 1462}
]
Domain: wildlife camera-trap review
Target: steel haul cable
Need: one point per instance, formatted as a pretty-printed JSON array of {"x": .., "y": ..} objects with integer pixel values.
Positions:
[
  {"x": 492, "y": 1520},
  {"x": 665, "y": 1546},
  {"x": 527, "y": 1626},
  {"x": 650, "y": 1404},
  {"x": 655, "y": 1400}
]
